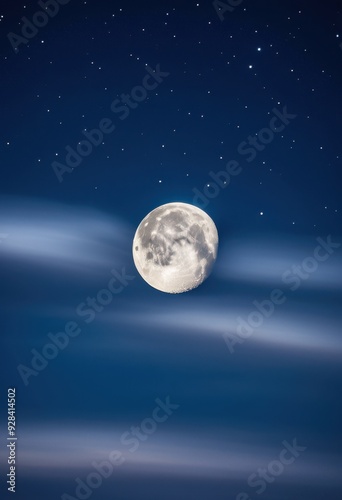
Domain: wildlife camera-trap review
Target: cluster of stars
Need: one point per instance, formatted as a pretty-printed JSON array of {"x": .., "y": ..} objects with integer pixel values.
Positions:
[{"x": 265, "y": 49}]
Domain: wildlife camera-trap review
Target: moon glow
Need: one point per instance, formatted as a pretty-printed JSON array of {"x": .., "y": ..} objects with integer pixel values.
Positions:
[{"x": 175, "y": 247}]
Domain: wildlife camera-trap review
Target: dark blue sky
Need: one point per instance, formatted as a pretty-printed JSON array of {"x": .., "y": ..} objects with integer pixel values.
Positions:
[{"x": 182, "y": 98}]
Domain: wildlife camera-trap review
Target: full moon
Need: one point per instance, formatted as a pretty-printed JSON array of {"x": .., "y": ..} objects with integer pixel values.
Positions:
[{"x": 175, "y": 247}]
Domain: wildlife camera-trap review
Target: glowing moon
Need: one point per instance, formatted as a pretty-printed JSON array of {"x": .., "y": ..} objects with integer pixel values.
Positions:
[{"x": 175, "y": 247}]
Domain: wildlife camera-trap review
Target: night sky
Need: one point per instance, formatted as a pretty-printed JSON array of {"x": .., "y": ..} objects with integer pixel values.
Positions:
[{"x": 109, "y": 110}]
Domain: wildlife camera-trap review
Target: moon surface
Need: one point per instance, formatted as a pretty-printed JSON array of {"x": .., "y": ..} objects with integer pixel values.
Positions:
[{"x": 175, "y": 247}]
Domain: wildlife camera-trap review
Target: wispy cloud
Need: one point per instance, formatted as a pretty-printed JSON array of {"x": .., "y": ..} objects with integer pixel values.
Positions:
[
  {"x": 228, "y": 453},
  {"x": 76, "y": 239}
]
